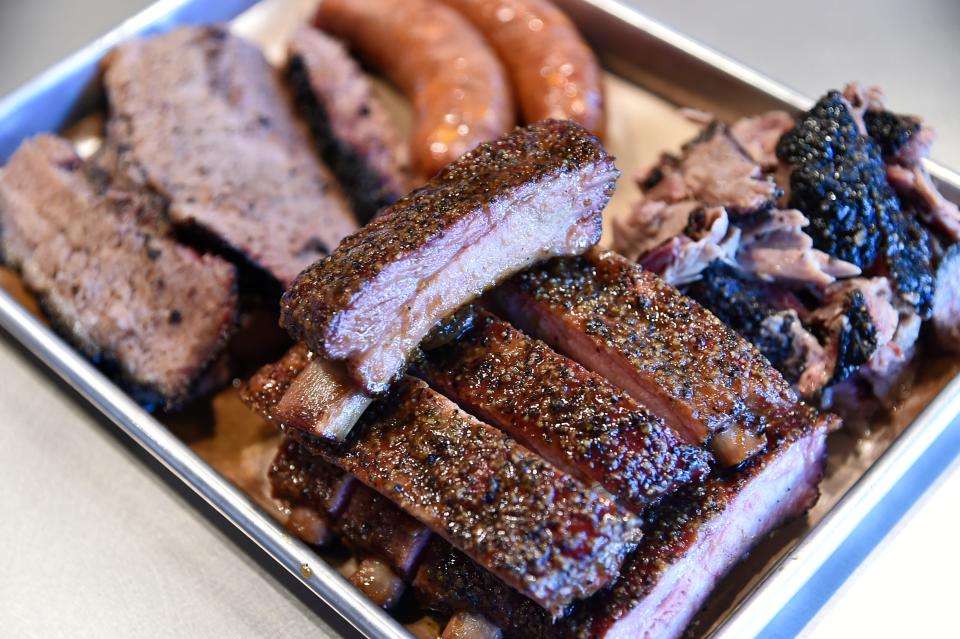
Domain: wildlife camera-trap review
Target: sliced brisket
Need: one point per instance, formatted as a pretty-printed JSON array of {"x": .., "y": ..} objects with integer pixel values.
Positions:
[
  {"x": 152, "y": 312},
  {"x": 536, "y": 528},
  {"x": 574, "y": 418},
  {"x": 349, "y": 124},
  {"x": 536, "y": 192},
  {"x": 202, "y": 119},
  {"x": 664, "y": 349}
]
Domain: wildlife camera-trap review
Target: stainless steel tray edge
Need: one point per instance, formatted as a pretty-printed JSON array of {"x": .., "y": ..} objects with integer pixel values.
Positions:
[
  {"x": 223, "y": 496},
  {"x": 695, "y": 64}
]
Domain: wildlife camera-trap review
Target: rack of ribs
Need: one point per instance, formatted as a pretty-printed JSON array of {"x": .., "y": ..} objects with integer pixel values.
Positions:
[{"x": 538, "y": 529}]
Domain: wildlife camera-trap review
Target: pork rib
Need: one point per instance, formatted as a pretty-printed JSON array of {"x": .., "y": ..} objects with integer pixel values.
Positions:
[
  {"x": 536, "y": 192},
  {"x": 201, "y": 118},
  {"x": 307, "y": 393},
  {"x": 536, "y": 528},
  {"x": 691, "y": 541},
  {"x": 374, "y": 524},
  {"x": 152, "y": 312},
  {"x": 573, "y": 418},
  {"x": 664, "y": 349}
]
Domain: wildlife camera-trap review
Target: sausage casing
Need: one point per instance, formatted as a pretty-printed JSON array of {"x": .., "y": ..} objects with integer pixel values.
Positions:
[{"x": 459, "y": 89}]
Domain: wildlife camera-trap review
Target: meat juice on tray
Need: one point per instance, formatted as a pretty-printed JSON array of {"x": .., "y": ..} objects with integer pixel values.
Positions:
[{"x": 604, "y": 435}]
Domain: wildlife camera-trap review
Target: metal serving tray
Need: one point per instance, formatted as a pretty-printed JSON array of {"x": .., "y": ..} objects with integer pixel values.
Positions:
[{"x": 642, "y": 53}]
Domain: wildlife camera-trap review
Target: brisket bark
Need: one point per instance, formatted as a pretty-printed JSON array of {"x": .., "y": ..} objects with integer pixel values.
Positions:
[
  {"x": 353, "y": 131},
  {"x": 200, "y": 117}
]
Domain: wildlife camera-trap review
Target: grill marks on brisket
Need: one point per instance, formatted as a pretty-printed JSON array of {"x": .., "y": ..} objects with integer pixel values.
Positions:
[
  {"x": 202, "y": 119},
  {"x": 539, "y": 530},
  {"x": 661, "y": 347},
  {"x": 349, "y": 125},
  {"x": 147, "y": 309},
  {"x": 536, "y": 192},
  {"x": 572, "y": 417}
]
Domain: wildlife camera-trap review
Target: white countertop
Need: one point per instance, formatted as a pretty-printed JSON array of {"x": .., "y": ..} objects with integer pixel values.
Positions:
[{"x": 96, "y": 541}]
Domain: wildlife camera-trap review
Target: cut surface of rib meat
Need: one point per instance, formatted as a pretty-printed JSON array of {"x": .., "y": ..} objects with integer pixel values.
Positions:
[
  {"x": 202, "y": 118},
  {"x": 539, "y": 530},
  {"x": 664, "y": 349},
  {"x": 534, "y": 193},
  {"x": 350, "y": 126},
  {"x": 572, "y": 417},
  {"x": 153, "y": 313}
]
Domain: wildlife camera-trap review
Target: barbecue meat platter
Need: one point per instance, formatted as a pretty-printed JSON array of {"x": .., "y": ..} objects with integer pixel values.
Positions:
[{"x": 405, "y": 281}]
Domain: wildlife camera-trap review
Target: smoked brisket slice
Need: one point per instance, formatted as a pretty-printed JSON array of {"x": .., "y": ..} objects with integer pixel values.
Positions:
[
  {"x": 536, "y": 528},
  {"x": 691, "y": 540},
  {"x": 201, "y": 118},
  {"x": 535, "y": 193},
  {"x": 572, "y": 417},
  {"x": 663, "y": 348},
  {"x": 152, "y": 312},
  {"x": 350, "y": 126}
]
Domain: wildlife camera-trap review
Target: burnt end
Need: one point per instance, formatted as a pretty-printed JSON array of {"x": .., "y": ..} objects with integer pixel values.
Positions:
[
  {"x": 890, "y": 130},
  {"x": 838, "y": 180},
  {"x": 857, "y": 340},
  {"x": 909, "y": 259},
  {"x": 743, "y": 305},
  {"x": 365, "y": 187}
]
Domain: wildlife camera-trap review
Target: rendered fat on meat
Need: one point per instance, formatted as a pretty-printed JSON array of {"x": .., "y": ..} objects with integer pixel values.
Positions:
[
  {"x": 572, "y": 417},
  {"x": 308, "y": 393},
  {"x": 154, "y": 313},
  {"x": 202, "y": 119},
  {"x": 664, "y": 349},
  {"x": 535, "y": 193},
  {"x": 355, "y": 134},
  {"x": 536, "y": 528},
  {"x": 691, "y": 540}
]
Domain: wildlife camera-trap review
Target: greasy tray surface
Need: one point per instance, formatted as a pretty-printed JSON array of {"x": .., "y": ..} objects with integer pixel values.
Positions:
[{"x": 238, "y": 445}]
